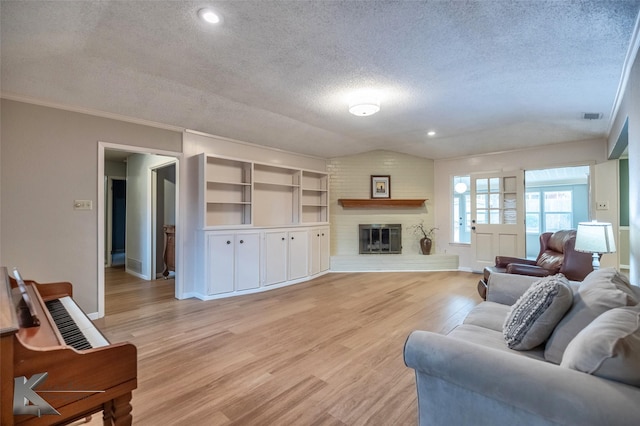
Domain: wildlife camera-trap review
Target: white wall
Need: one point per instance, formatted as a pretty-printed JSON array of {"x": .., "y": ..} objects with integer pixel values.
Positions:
[
  {"x": 350, "y": 177},
  {"x": 49, "y": 159},
  {"x": 139, "y": 214},
  {"x": 630, "y": 108},
  {"x": 606, "y": 189},
  {"x": 634, "y": 174},
  {"x": 557, "y": 155}
]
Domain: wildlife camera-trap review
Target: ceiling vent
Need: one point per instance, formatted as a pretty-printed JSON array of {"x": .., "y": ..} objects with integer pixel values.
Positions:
[{"x": 591, "y": 116}]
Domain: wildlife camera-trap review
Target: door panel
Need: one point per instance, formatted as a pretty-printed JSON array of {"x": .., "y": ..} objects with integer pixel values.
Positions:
[
  {"x": 247, "y": 262},
  {"x": 220, "y": 263},
  {"x": 275, "y": 254},
  {"x": 497, "y": 217},
  {"x": 298, "y": 254}
]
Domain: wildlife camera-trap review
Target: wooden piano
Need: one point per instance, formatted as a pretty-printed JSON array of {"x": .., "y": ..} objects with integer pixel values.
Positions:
[{"x": 42, "y": 330}]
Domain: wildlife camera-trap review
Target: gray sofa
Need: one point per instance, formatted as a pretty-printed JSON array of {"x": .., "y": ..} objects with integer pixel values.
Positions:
[{"x": 471, "y": 376}]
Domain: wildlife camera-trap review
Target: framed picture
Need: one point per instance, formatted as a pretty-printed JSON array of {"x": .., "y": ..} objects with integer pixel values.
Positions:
[{"x": 380, "y": 186}]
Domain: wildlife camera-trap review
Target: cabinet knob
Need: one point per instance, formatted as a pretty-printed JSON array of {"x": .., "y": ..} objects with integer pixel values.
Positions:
[
  {"x": 241, "y": 241},
  {"x": 228, "y": 242},
  {"x": 292, "y": 238},
  {"x": 282, "y": 238},
  {"x": 323, "y": 234}
]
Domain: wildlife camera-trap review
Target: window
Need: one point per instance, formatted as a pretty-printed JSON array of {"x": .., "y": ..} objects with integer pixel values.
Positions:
[
  {"x": 532, "y": 205},
  {"x": 553, "y": 214},
  {"x": 461, "y": 208},
  {"x": 558, "y": 210},
  {"x": 555, "y": 199}
]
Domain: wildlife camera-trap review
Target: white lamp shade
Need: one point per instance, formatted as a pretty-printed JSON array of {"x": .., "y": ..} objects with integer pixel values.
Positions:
[{"x": 595, "y": 237}]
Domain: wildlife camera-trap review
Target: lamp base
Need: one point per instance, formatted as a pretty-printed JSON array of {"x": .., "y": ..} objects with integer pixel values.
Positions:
[{"x": 596, "y": 261}]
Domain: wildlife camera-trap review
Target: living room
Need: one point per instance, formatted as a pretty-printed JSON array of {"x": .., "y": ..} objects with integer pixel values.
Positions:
[{"x": 53, "y": 148}]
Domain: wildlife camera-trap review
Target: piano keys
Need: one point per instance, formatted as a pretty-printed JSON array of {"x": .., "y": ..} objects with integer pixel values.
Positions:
[
  {"x": 85, "y": 373},
  {"x": 76, "y": 329}
]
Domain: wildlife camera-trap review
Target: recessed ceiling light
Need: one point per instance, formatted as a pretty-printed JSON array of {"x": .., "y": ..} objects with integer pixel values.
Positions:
[
  {"x": 209, "y": 16},
  {"x": 431, "y": 133}
]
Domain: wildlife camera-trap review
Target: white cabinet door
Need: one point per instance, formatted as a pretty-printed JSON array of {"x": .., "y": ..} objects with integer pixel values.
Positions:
[
  {"x": 314, "y": 251},
  {"x": 324, "y": 249},
  {"x": 318, "y": 250},
  {"x": 247, "y": 261},
  {"x": 219, "y": 266},
  {"x": 298, "y": 254},
  {"x": 275, "y": 254}
]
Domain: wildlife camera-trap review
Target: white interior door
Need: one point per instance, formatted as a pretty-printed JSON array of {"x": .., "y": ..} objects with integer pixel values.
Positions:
[{"x": 497, "y": 212}]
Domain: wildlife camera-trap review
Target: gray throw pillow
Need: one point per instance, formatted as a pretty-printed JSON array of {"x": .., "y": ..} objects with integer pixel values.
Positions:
[
  {"x": 609, "y": 347},
  {"x": 601, "y": 290},
  {"x": 535, "y": 314}
]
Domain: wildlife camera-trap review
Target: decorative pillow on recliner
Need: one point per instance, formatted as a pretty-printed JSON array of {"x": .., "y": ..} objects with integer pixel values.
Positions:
[
  {"x": 535, "y": 314},
  {"x": 601, "y": 290},
  {"x": 609, "y": 347}
]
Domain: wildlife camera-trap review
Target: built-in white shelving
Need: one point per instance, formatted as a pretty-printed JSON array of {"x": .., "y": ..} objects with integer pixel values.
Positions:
[{"x": 244, "y": 193}]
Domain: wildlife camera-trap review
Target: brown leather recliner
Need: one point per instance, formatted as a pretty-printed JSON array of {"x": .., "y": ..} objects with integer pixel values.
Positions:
[{"x": 557, "y": 255}]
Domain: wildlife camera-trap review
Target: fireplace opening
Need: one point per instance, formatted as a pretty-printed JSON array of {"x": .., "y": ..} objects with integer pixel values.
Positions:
[{"x": 380, "y": 239}]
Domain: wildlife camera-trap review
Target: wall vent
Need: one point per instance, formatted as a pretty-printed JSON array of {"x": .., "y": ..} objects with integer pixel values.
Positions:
[
  {"x": 134, "y": 265},
  {"x": 591, "y": 116}
]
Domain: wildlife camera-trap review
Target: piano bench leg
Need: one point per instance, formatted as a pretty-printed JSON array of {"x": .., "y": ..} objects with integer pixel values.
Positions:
[{"x": 118, "y": 411}]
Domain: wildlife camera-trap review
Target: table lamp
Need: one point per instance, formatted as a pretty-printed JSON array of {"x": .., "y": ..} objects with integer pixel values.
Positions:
[{"x": 597, "y": 238}]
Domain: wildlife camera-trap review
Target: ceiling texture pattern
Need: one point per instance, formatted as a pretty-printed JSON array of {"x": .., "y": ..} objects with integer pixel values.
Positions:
[{"x": 486, "y": 76}]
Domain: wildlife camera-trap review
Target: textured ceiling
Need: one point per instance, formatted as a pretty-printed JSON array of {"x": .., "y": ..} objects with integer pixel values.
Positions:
[{"x": 485, "y": 75}]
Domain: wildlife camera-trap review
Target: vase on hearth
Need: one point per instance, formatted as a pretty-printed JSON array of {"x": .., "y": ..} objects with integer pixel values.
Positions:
[{"x": 425, "y": 245}]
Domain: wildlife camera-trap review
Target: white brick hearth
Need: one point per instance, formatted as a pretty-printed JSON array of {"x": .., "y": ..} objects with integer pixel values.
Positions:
[{"x": 394, "y": 262}]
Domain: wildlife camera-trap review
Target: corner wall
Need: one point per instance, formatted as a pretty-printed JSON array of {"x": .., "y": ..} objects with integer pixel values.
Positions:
[{"x": 350, "y": 177}]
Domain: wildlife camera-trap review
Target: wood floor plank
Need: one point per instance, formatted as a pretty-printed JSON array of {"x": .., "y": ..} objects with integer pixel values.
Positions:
[{"x": 325, "y": 352}]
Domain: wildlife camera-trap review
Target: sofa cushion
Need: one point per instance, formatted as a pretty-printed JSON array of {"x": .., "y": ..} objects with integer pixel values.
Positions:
[
  {"x": 535, "y": 314},
  {"x": 609, "y": 347},
  {"x": 491, "y": 339},
  {"x": 490, "y": 315},
  {"x": 601, "y": 290}
]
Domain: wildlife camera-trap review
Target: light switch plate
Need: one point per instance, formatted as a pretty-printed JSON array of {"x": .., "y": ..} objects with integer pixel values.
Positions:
[{"x": 82, "y": 204}]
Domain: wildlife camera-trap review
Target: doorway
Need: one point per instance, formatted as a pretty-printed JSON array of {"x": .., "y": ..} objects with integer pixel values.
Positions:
[
  {"x": 140, "y": 236},
  {"x": 164, "y": 215},
  {"x": 496, "y": 217},
  {"x": 555, "y": 199},
  {"x": 118, "y": 209}
]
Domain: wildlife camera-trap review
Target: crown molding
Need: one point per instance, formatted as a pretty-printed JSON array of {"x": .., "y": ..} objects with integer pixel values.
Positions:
[
  {"x": 632, "y": 53},
  {"x": 89, "y": 111}
]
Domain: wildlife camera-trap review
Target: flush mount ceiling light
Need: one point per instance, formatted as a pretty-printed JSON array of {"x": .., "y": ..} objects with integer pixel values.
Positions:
[
  {"x": 209, "y": 16},
  {"x": 363, "y": 107},
  {"x": 431, "y": 133}
]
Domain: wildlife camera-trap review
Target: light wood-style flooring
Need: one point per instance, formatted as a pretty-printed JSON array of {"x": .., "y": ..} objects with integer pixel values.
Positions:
[{"x": 325, "y": 352}]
